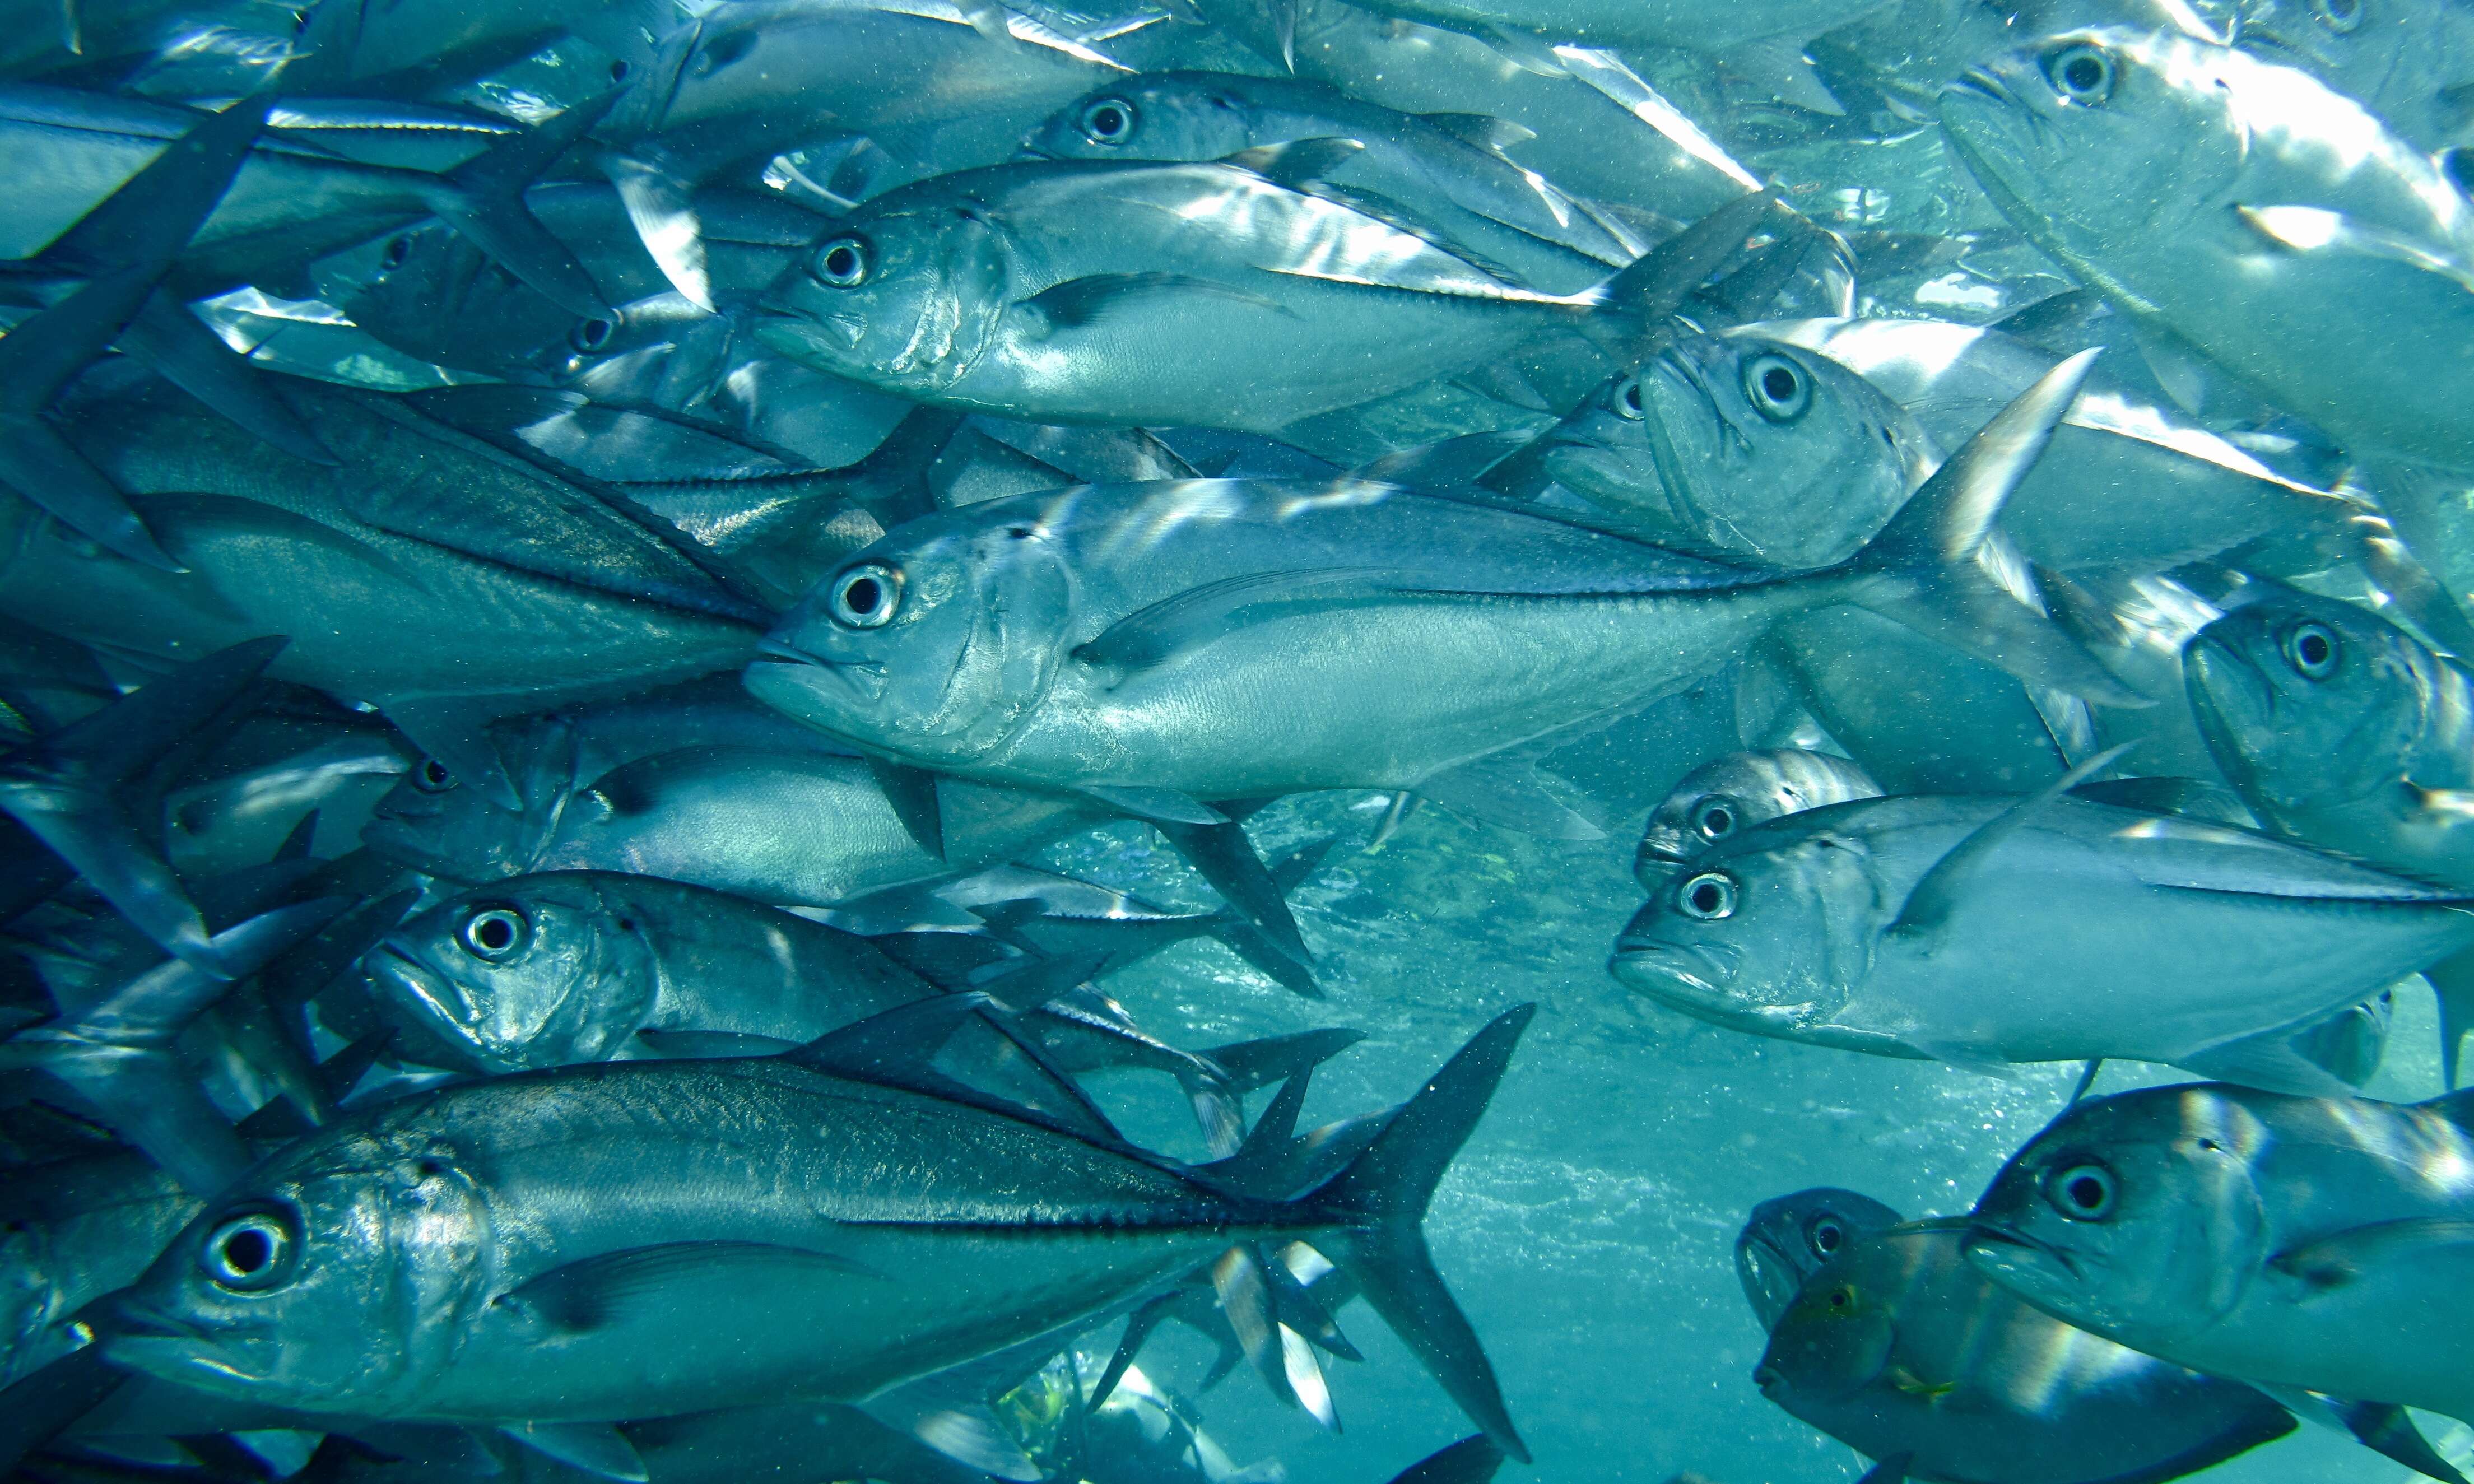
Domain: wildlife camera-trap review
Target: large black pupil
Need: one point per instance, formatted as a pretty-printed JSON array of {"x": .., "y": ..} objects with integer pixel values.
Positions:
[
  {"x": 1778, "y": 382},
  {"x": 2084, "y": 74},
  {"x": 2087, "y": 1192},
  {"x": 2314, "y": 649},
  {"x": 1631, "y": 394},
  {"x": 1826, "y": 1238},
  {"x": 1705, "y": 897},
  {"x": 841, "y": 263},
  {"x": 1107, "y": 121},
  {"x": 433, "y": 772},
  {"x": 495, "y": 934},
  {"x": 1718, "y": 822},
  {"x": 862, "y": 595},
  {"x": 247, "y": 1250}
]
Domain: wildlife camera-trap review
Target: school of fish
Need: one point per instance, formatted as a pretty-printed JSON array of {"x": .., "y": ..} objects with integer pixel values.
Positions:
[{"x": 734, "y": 733}]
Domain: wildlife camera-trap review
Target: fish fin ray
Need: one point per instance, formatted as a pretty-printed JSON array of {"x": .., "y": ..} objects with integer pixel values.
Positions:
[
  {"x": 1934, "y": 896},
  {"x": 605, "y": 1290}
]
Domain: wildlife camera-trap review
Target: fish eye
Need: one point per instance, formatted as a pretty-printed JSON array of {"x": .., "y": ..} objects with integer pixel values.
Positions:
[
  {"x": 2341, "y": 16},
  {"x": 865, "y": 597},
  {"x": 2082, "y": 1192},
  {"x": 1842, "y": 1299},
  {"x": 1825, "y": 1235},
  {"x": 2311, "y": 648},
  {"x": 1109, "y": 121},
  {"x": 430, "y": 776},
  {"x": 1715, "y": 816},
  {"x": 2081, "y": 73},
  {"x": 1777, "y": 387},
  {"x": 843, "y": 262},
  {"x": 397, "y": 249},
  {"x": 495, "y": 934},
  {"x": 1708, "y": 896},
  {"x": 619, "y": 70},
  {"x": 1627, "y": 400},
  {"x": 590, "y": 335},
  {"x": 249, "y": 1253}
]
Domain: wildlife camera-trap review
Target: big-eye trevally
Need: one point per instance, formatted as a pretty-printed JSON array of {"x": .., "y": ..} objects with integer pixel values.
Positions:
[
  {"x": 812, "y": 1222},
  {"x": 1896, "y": 1345},
  {"x": 436, "y": 578},
  {"x": 1788, "y": 1238},
  {"x": 2290, "y": 1242},
  {"x": 578, "y": 966},
  {"x": 1984, "y": 931},
  {"x": 2132, "y": 483},
  {"x": 2343, "y": 731},
  {"x": 1744, "y": 450},
  {"x": 1080, "y": 291},
  {"x": 2246, "y": 208},
  {"x": 1448, "y": 170},
  {"x": 1167, "y": 644},
  {"x": 1734, "y": 792}
]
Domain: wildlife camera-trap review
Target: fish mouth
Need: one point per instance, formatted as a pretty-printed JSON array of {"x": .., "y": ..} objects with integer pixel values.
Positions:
[
  {"x": 438, "y": 998},
  {"x": 1983, "y": 83},
  {"x": 2228, "y": 675},
  {"x": 1671, "y": 971},
  {"x": 130, "y": 1318},
  {"x": 1999, "y": 1249},
  {"x": 790, "y": 334},
  {"x": 859, "y": 680}
]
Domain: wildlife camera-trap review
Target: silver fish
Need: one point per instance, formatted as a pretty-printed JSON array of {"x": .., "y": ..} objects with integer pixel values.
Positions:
[
  {"x": 1078, "y": 291},
  {"x": 852, "y": 1231},
  {"x": 1897, "y": 1346},
  {"x": 1147, "y": 643},
  {"x": 1984, "y": 931},
  {"x": 1788, "y": 1238},
  {"x": 1734, "y": 792},
  {"x": 1745, "y": 450},
  {"x": 1448, "y": 170},
  {"x": 2280, "y": 203},
  {"x": 2297, "y": 1243}
]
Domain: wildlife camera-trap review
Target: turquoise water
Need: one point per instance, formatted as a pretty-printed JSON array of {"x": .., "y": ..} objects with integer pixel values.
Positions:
[{"x": 1123, "y": 454}]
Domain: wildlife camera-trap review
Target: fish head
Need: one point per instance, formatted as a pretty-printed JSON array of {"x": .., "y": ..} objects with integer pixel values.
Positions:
[
  {"x": 904, "y": 298},
  {"x": 2099, "y": 133},
  {"x": 1834, "y": 1338},
  {"x": 531, "y": 972},
  {"x": 1167, "y": 115},
  {"x": 1789, "y": 1238},
  {"x": 29, "y": 1298},
  {"x": 335, "y": 1276},
  {"x": 933, "y": 644},
  {"x": 1770, "y": 454},
  {"x": 437, "y": 823},
  {"x": 2135, "y": 1216},
  {"x": 1730, "y": 794},
  {"x": 1768, "y": 934},
  {"x": 2309, "y": 701}
]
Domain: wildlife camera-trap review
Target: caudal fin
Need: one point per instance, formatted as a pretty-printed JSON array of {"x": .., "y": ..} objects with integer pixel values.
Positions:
[
  {"x": 484, "y": 199},
  {"x": 1927, "y": 570},
  {"x": 1379, "y": 1199}
]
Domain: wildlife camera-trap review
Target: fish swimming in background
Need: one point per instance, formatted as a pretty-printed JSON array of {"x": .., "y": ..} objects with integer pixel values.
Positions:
[
  {"x": 913, "y": 1222},
  {"x": 1894, "y": 1345},
  {"x": 1736, "y": 793},
  {"x": 2294, "y": 1243}
]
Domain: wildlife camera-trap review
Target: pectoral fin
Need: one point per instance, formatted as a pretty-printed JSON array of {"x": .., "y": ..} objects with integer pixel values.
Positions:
[
  {"x": 2342, "y": 1258},
  {"x": 614, "y": 1289},
  {"x": 2319, "y": 229},
  {"x": 1078, "y": 303},
  {"x": 1195, "y": 617},
  {"x": 595, "y": 1447}
]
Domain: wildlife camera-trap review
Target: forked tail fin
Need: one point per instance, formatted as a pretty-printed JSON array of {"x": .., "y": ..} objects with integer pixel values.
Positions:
[{"x": 1379, "y": 1199}]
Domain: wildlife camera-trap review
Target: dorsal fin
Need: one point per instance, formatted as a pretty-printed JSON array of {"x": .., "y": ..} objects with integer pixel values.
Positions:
[{"x": 1935, "y": 894}]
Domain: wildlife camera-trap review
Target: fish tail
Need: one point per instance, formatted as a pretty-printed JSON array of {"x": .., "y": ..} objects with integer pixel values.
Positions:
[
  {"x": 1632, "y": 307},
  {"x": 484, "y": 199},
  {"x": 1928, "y": 570},
  {"x": 1379, "y": 1199}
]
